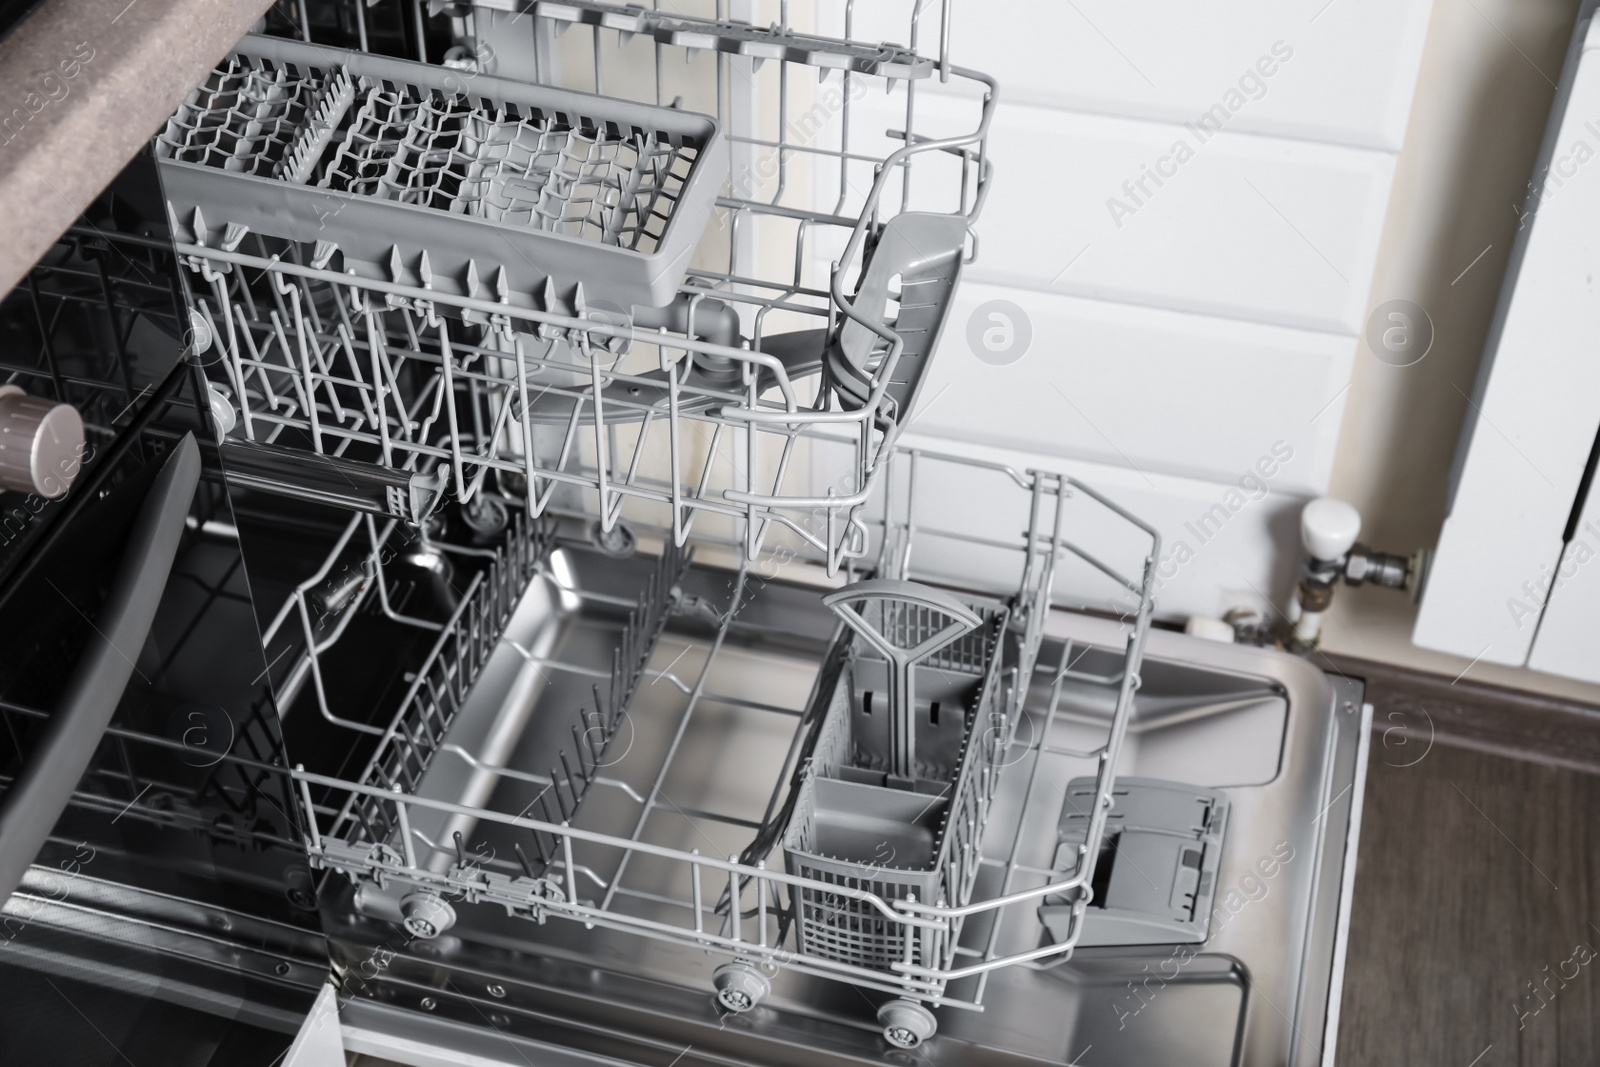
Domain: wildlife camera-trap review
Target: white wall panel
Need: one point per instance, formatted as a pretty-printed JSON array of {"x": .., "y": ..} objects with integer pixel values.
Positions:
[
  {"x": 1568, "y": 639},
  {"x": 1535, "y": 420},
  {"x": 1248, "y": 228},
  {"x": 1195, "y": 292},
  {"x": 1245, "y": 227},
  {"x": 1164, "y": 391},
  {"x": 1347, "y": 77}
]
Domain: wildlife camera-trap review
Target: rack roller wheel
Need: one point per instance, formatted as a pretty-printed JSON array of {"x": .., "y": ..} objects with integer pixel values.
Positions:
[
  {"x": 740, "y": 986},
  {"x": 617, "y": 542},
  {"x": 906, "y": 1024},
  {"x": 426, "y": 915}
]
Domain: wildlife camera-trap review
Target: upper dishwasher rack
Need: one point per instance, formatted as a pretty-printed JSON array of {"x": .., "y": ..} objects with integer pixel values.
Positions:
[
  {"x": 373, "y": 352},
  {"x": 418, "y": 173}
]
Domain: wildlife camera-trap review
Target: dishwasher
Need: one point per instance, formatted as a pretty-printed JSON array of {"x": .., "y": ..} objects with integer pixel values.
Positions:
[{"x": 467, "y": 597}]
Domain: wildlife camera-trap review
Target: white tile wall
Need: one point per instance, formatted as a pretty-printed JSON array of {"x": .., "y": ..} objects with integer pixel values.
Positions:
[
  {"x": 1242, "y": 226},
  {"x": 1217, "y": 539},
  {"x": 1250, "y": 228},
  {"x": 1183, "y": 326},
  {"x": 1167, "y": 392},
  {"x": 1343, "y": 72}
]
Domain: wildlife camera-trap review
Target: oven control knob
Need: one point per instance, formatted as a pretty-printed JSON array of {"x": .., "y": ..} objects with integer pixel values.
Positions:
[{"x": 41, "y": 444}]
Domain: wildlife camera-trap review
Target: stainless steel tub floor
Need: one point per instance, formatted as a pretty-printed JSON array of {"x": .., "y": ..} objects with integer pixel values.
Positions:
[{"x": 1268, "y": 728}]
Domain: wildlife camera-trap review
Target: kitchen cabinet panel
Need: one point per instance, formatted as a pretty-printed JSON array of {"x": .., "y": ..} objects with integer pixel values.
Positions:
[{"x": 1531, "y": 426}]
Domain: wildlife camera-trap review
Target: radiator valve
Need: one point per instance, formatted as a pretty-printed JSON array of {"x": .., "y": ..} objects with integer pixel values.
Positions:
[{"x": 1329, "y": 529}]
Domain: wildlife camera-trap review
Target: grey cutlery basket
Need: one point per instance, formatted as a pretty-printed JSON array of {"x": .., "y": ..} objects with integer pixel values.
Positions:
[{"x": 899, "y": 784}]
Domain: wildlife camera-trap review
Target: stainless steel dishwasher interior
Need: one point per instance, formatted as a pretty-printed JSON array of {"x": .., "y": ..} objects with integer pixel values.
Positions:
[
  {"x": 1263, "y": 726},
  {"x": 541, "y": 586}
]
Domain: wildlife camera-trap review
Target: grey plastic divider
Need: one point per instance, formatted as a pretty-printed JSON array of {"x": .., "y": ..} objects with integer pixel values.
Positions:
[{"x": 41, "y": 791}]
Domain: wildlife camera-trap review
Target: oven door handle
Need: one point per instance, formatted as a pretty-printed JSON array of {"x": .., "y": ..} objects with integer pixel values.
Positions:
[{"x": 40, "y": 792}]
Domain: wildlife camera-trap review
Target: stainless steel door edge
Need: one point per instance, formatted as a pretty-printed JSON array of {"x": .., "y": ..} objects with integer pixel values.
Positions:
[
  {"x": 139, "y": 907},
  {"x": 1353, "y": 808},
  {"x": 211, "y": 973}
]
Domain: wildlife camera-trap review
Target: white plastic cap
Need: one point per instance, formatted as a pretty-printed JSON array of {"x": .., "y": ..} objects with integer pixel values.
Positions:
[
  {"x": 1210, "y": 628},
  {"x": 1329, "y": 527}
]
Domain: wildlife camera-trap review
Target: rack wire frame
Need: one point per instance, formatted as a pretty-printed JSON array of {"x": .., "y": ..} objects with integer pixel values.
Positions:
[
  {"x": 755, "y": 921},
  {"x": 325, "y": 367},
  {"x": 417, "y": 734},
  {"x": 376, "y": 370}
]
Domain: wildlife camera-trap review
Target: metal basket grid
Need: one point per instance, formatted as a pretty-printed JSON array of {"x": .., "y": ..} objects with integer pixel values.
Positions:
[
  {"x": 446, "y": 677},
  {"x": 417, "y": 734}
]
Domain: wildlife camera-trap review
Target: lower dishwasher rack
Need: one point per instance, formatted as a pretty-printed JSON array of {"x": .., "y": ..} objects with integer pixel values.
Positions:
[{"x": 621, "y": 748}]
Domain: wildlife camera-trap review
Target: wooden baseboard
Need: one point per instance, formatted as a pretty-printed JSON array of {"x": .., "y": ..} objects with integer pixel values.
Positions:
[{"x": 1413, "y": 709}]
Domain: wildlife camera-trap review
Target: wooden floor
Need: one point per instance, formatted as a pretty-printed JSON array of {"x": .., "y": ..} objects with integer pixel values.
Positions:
[{"x": 1478, "y": 884}]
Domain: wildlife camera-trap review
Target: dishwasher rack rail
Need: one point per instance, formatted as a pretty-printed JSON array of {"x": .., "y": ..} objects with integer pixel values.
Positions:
[{"x": 741, "y": 906}]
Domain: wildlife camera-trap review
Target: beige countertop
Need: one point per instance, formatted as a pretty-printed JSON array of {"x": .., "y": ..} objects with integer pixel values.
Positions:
[{"x": 83, "y": 85}]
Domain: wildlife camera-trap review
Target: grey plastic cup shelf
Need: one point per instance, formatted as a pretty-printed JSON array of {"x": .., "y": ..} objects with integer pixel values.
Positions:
[{"x": 423, "y": 175}]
